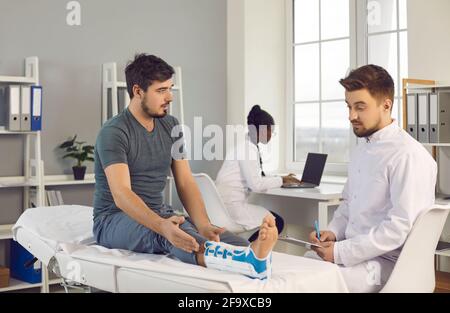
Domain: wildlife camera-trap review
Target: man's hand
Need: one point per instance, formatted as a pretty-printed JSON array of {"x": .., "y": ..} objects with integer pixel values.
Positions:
[
  {"x": 171, "y": 231},
  {"x": 211, "y": 232},
  {"x": 290, "y": 179},
  {"x": 325, "y": 236},
  {"x": 326, "y": 252}
]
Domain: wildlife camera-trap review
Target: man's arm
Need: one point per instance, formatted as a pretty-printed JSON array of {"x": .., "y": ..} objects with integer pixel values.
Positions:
[
  {"x": 192, "y": 200},
  {"x": 119, "y": 182}
]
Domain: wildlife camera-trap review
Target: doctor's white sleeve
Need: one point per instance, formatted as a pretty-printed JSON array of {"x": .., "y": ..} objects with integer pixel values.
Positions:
[
  {"x": 340, "y": 218},
  {"x": 412, "y": 188},
  {"x": 250, "y": 170}
]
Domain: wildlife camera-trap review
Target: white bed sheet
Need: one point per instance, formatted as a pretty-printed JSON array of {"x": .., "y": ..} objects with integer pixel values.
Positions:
[{"x": 68, "y": 230}]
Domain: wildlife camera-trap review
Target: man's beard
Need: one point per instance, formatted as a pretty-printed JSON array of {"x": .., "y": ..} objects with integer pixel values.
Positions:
[
  {"x": 366, "y": 133},
  {"x": 147, "y": 111}
]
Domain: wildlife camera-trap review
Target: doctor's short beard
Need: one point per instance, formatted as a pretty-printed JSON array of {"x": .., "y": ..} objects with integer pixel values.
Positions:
[{"x": 365, "y": 133}]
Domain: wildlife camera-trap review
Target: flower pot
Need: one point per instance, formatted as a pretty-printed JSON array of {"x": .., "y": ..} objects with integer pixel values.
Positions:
[{"x": 78, "y": 172}]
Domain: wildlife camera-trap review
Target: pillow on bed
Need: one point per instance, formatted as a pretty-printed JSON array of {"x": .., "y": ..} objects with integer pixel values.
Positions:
[{"x": 59, "y": 224}]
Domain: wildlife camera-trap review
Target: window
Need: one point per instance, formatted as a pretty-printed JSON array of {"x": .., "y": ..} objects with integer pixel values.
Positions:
[
  {"x": 325, "y": 42},
  {"x": 321, "y": 34}
]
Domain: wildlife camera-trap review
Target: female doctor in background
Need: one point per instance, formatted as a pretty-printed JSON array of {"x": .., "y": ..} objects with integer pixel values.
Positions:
[{"x": 242, "y": 174}]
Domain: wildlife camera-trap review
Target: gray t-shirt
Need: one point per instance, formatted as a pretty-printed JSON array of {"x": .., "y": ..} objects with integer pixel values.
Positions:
[{"x": 123, "y": 139}]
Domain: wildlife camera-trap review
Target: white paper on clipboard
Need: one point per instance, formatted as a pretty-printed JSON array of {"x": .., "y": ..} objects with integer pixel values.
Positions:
[{"x": 298, "y": 242}]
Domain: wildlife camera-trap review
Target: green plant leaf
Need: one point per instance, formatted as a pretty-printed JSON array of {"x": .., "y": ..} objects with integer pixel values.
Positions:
[
  {"x": 72, "y": 155},
  {"x": 88, "y": 149},
  {"x": 68, "y": 143},
  {"x": 71, "y": 149}
]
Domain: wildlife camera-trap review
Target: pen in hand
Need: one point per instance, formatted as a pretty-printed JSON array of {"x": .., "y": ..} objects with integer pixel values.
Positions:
[{"x": 316, "y": 226}]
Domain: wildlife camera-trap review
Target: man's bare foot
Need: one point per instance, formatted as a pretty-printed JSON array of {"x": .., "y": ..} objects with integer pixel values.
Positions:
[{"x": 267, "y": 238}]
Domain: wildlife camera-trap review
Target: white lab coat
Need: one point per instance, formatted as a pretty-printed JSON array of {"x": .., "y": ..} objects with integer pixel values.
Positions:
[
  {"x": 240, "y": 174},
  {"x": 391, "y": 181}
]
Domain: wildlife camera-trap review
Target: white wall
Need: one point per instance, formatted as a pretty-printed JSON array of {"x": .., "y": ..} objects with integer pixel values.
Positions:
[
  {"x": 429, "y": 39},
  {"x": 236, "y": 84},
  {"x": 257, "y": 65}
]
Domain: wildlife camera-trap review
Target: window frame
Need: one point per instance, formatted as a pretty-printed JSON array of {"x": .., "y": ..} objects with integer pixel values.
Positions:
[{"x": 359, "y": 36}]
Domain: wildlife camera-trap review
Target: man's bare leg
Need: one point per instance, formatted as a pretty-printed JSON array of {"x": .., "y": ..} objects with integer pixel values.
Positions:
[{"x": 267, "y": 238}]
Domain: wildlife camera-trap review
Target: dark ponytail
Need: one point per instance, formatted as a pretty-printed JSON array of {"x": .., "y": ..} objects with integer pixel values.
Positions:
[{"x": 259, "y": 117}]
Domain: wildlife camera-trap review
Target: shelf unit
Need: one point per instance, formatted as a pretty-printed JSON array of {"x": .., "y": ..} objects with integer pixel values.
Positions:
[
  {"x": 420, "y": 85},
  {"x": 68, "y": 180},
  {"x": 15, "y": 284},
  {"x": 33, "y": 175},
  {"x": 111, "y": 83}
]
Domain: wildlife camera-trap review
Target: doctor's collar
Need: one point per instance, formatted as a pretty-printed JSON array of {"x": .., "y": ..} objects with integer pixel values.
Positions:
[{"x": 382, "y": 133}]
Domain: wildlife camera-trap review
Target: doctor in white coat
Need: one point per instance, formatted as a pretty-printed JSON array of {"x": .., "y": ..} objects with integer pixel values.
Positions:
[
  {"x": 391, "y": 181},
  {"x": 242, "y": 173}
]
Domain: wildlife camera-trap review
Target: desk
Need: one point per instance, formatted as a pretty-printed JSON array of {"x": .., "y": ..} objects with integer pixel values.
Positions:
[{"x": 327, "y": 195}]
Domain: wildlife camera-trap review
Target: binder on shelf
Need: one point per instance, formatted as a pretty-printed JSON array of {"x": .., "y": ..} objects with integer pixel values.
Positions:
[
  {"x": 52, "y": 198},
  {"x": 423, "y": 110},
  {"x": 25, "y": 105},
  {"x": 13, "y": 108},
  {"x": 36, "y": 108},
  {"x": 443, "y": 117},
  {"x": 411, "y": 108},
  {"x": 434, "y": 107},
  {"x": 59, "y": 197}
]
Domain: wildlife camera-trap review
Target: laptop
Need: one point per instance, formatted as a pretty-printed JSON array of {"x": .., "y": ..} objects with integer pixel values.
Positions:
[{"x": 312, "y": 173}]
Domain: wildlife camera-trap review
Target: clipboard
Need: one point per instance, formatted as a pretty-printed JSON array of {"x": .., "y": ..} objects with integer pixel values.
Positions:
[{"x": 298, "y": 242}]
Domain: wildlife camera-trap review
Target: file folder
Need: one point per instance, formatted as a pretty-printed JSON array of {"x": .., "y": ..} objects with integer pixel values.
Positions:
[
  {"x": 443, "y": 113},
  {"x": 13, "y": 108},
  {"x": 423, "y": 109},
  {"x": 411, "y": 108},
  {"x": 25, "y": 105},
  {"x": 36, "y": 108},
  {"x": 434, "y": 107}
]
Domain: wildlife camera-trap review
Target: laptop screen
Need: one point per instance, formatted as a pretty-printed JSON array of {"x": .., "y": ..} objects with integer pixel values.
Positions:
[{"x": 314, "y": 166}]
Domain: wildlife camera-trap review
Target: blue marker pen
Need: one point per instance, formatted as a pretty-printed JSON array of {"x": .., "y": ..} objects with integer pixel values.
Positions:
[{"x": 316, "y": 226}]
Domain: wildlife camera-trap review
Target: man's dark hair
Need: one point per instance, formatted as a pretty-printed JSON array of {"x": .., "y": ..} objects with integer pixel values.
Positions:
[
  {"x": 374, "y": 78},
  {"x": 146, "y": 69}
]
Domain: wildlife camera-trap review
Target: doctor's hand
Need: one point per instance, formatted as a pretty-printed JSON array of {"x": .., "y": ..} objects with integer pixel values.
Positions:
[
  {"x": 325, "y": 236},
  {"x": 211, "y": 232},
  {"x": 290, "y": 179},
  {"x": 326, "y": 252},
  {"x": 170, "y": 229}
]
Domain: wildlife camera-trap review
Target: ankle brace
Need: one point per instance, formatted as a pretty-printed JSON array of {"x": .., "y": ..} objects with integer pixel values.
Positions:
[{"x": 242, "y": 260}]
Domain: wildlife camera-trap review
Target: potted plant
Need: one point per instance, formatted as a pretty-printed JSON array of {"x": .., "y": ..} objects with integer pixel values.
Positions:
[{"x": 79, "y": 151}]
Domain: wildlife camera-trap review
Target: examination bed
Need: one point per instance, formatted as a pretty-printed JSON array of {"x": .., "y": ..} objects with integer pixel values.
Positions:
[{"x": 61, "y": 238}]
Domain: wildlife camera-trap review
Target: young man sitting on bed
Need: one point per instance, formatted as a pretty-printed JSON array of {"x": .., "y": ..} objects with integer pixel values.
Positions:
[{"x": 133, "y": 157}]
